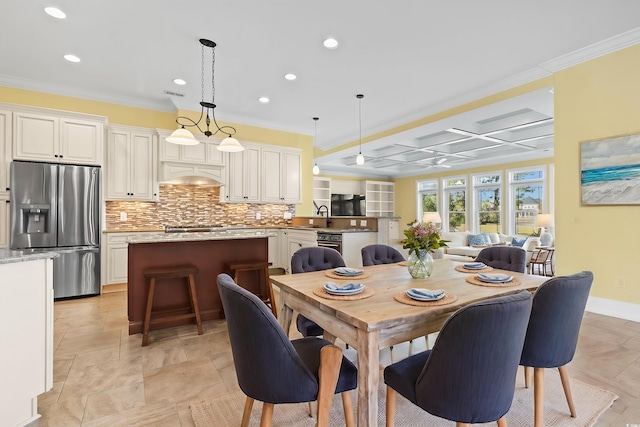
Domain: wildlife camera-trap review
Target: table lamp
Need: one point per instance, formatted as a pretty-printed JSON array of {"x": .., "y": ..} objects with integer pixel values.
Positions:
[
  {"x": 433, "y": 217},
  {"x": 545, "y": 221}
]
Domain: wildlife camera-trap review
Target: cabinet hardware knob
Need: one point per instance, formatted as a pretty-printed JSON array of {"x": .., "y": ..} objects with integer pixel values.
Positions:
[{"x": 55, "y": 155}]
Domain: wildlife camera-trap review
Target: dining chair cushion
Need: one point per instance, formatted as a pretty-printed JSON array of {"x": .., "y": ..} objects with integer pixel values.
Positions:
[
  {"x": 307, "y": 327},
  {"x": 315, "y": 259},
  {"x": 380, "y": 254},
  {"x": 504, "y": 257},
  {"x": 469, "y": 375},
  {"x": 269, "y": 367},
  {"x": 554, "y": 326}
]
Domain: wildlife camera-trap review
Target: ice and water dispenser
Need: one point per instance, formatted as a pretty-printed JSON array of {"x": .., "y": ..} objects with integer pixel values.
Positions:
[{"x": 34, "y": 219}]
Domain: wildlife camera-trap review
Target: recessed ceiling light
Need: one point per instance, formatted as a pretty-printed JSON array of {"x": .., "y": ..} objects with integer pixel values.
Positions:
[
  {"x": 72, "y": 58},
  {"x": 55, "y": 12},
  {"x": 330, "y": 43},
  {"x": 179, "y": 82},
  {"x": 263, "y": 99},
  {"x": 290, "y": 76}
]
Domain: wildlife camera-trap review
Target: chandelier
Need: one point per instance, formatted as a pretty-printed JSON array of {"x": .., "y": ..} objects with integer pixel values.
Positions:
[
  {"x": 360, "y": 157},
  {"x": 182, "y": 136}
]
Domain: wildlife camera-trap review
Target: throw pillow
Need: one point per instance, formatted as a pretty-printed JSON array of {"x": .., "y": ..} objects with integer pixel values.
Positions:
[
  {"x": 479, "y": 239},
  {"x": 518, "y": 242}
]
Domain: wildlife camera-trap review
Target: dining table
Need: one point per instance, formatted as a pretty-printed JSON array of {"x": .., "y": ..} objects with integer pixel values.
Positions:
[{"x": 382, "y": 315}]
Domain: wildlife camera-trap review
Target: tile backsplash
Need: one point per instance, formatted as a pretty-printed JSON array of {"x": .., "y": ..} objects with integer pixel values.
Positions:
[{"x": 192, "y": 205}]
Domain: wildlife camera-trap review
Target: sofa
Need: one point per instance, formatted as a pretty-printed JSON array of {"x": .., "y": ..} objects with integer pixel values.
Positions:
[{"x": 462, "y": 244}]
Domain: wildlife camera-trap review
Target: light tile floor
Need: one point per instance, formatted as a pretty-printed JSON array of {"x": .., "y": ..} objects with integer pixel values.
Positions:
[{"x": 103, "y": 377}]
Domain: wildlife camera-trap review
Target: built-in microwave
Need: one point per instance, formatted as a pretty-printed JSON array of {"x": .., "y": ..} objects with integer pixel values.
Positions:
[{"x": 348, "y": 205}]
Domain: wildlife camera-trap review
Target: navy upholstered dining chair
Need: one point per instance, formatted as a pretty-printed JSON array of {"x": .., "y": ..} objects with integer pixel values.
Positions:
[
  {"x": 380, "y": 254},
  {"x": 552, "y": 334},
  {"x": 469, "y": 375},
  {"x": 314, "y": 258},
  {"x": 504, "y": 257},
  {"x": 272, "y": 369}
]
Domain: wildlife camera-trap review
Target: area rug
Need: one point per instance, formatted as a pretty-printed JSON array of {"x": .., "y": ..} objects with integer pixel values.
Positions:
[{"x": 590, "y": 402}]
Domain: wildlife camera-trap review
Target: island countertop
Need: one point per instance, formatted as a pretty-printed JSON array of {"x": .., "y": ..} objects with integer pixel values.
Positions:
[
  {"x": 8, "y": 256},
  {"x": 225, "y": 234}
]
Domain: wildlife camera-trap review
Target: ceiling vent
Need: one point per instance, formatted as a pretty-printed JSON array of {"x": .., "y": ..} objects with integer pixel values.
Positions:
[{"x": 168, "y": 92}]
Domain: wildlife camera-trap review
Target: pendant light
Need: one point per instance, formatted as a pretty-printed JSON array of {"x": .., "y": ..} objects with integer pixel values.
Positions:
[
  {"x": 360, "y": 158},
  {"x": 182, "y": 136},
  {"x": 316, "y": 169}
]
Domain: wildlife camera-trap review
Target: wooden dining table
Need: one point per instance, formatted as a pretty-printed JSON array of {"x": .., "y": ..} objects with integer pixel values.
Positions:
[{"x": 380, "y": 321}]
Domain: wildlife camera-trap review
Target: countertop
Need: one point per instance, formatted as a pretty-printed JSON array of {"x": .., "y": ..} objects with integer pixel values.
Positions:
[
  {"x": 224, "y": 234},
  {"x": 249, "y": 228},
  {"x": 8, "y": 256}
]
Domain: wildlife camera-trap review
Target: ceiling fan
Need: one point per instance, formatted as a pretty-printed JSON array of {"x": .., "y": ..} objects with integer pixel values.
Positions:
[{"x": 437, "y": 163}]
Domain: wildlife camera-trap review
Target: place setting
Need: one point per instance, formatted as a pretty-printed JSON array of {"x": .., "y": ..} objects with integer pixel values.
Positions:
[
  {"x": 346, "y": 273},
  {"x": 474, "y": 267},
  {"x": 493, "y": 280},
  {"x": 349, "y": 291},
  {"x": 423, "y": 297}
]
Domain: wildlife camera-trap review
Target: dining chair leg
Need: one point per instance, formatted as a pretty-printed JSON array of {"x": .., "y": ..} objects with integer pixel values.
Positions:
[
  {"x": 246, "y": 414},
  {"x": 348, "y": 409},
  {"x": 463, "y": 425},
  {"x": 528, "y": 370},
  {"x": 538, "y": 397},
  {"x": 330, "y": 361},
  {"x": 502, "y": 422},
  {"x": 564, "y": 377},
  {"x": 391, "y": 407},
  {"x": 310, "y": 409},
  {"x": 267, "y": 414}
]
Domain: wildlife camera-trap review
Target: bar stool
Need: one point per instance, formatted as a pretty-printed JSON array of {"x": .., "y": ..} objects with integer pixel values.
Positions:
[
  {"x": 265, "y": 291},
  {"x": 180, "y": 271}
]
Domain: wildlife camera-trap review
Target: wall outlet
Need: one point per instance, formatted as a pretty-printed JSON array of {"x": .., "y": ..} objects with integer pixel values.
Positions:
[
  {"x": 287, "y": 215},
  {"x": 620, "y": 282},
  {"x": 123, "y": 216},
  {"x": 363, "y": 223},
  {"x": 310, "y": 221},
  {"x": 353, "y": 222},
  {"x": 258, "y": 215}
]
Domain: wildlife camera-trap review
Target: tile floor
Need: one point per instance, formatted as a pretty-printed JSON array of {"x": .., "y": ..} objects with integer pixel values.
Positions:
[{"x": 103, "y": 377}]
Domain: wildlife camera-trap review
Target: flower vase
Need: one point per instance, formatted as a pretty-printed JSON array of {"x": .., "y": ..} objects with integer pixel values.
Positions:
[{"x": 420, "y": 264}]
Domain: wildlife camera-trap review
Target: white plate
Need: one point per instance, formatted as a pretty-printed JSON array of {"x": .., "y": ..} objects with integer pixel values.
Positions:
[
  {"x": 345, "y": 271},
  {"x": 424, "y": 298},
  {"x": 495, "y": 278},
  {"x": 340, "y": 291}
]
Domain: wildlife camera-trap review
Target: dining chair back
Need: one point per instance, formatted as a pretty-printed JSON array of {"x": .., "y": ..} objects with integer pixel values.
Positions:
[
  {"x": 272, "y": 369},
  {"x": 552, "y": 334},
  {"x": 314, "y": 258},
  {"x": 380, "y": 254},
  {"x": 504, "y": 257},
  {"x": 469, "y": 375}
]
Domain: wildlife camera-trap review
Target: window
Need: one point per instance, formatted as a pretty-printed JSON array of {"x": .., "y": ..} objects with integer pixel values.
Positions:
[
  {"x": 526, "y": 199},
  {"x": 455, "y": 193},
  {"x": 486, "y": 212},
  {"x": 427, "y": 197}
]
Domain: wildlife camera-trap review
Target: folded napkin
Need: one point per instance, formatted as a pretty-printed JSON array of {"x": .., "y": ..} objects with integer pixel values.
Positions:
[
  {"x": 348, "y": 287},
  {"x": 475, "y": 265},
  {"x": 346, "y": 271},
  {"x": 426, "y": 293},
  {"x": 494, "y": 277}
]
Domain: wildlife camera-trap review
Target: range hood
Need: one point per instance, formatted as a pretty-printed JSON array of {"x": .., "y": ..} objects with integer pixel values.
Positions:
[{"x": 185, "y": 174}]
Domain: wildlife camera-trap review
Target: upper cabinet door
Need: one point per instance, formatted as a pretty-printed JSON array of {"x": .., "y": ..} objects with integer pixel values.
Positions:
[
  {"x": 5, "y": 149},
  {"x": 81, "y": 141},
  {"x": 291, "y": 170},
  {"x": 36, "y": 137},
  {"x": 118, "y": 165},
  {"x": 271, "y": 176},
  {"x": 142, "y": 182}
]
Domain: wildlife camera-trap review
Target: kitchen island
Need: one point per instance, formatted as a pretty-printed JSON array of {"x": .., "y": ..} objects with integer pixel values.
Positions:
[
  {"x": 208, "y": 251},
  {"x": 26, "y": 312}
]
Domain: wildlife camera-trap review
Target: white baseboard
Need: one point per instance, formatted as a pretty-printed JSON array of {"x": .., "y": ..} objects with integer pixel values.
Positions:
[{"x": 609, "y": 307}]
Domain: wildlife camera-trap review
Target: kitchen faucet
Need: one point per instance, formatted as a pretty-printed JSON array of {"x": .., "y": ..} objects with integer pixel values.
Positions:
[{"x": 319, "y": 212}]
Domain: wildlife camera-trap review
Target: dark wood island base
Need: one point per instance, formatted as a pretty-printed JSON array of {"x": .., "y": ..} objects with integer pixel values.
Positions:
[{"x": 209, "y": 256}]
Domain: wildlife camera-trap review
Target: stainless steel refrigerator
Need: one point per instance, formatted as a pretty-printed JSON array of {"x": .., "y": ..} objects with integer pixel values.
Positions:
[{"x": 56, "y": 208}]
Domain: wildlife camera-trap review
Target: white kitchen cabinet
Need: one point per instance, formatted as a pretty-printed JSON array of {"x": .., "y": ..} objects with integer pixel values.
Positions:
[
  {"x": 131, "y": 170},
  {"x": 5, "y": 149},
  {"x": 280, "y": 176},
  {"x": 352, "y": 244},
  {"x": 60, "y": 138},
  {"x": 27, "y": 350},
  {"x": 380, "y": 198},
  {"x": 244, "y": 176},
  {"x": 322, "y": 193},
  {"x": 297, "y": 239},
  {"x": 274, "y": 249},
  {"x": 117, "y": 254}
]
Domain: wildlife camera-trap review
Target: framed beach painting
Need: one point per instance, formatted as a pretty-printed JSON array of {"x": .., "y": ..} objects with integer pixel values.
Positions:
[{"x": 610, "y": 171}]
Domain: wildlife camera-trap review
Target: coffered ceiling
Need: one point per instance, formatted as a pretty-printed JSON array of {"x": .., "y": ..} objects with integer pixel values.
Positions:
[{"x": 410, "y": 59}]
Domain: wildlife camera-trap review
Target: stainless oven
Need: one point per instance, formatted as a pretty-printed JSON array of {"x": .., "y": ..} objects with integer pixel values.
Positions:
[{"x": 330, "y": 240}]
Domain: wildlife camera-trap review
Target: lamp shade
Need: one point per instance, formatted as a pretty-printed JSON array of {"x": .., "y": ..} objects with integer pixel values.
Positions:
[
  {"x": 316, "y": 169},
  {"x": 182, "y": 137},
  {"x": 545, "y": 220},
  {"x": 433, "y": 217},
  {"x": 230, "y": 144}
]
